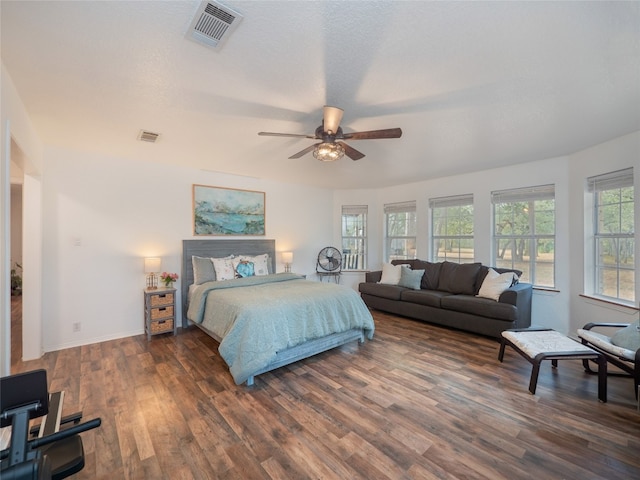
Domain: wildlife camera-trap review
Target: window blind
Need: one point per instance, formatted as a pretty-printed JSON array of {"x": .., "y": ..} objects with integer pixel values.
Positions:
[
  {"x": 611, "y": 180},
  {"x": 400, "y": 207},
  {"x": 355, "y": 209},
  {"x": 452, "y": 201},
  {"x": 526, "y": 194}
]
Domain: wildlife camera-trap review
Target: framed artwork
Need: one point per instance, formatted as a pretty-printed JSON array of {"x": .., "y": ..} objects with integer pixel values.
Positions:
[{"x": 227, "y": 211}]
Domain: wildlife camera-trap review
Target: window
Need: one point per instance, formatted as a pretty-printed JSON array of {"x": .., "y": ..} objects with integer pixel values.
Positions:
[
  {"x": 613, "y": 235},
  {"x": 354, "y": 237},
  {"x": 524, "y": 232},
  {"x": 400, "y": 241},
  {"x": 452, "y": 229}
]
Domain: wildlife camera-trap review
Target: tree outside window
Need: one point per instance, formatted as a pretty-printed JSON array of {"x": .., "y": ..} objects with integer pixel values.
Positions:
[
  {"x": 524, "y": 232},
  {"x": 400, "y": 242},
  {"x": 354, "y": 237},
  {"x": 452, "y": 229},
  {"x": 613, "y": 235}
]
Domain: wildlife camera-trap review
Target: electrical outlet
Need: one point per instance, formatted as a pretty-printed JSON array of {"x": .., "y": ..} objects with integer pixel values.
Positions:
[{"x": 76, "y": 327}]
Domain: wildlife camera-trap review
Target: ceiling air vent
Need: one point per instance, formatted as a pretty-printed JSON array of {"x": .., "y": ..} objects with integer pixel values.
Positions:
[
  {"x": 145, "y": 136},
  {"x": 212, "y": 24}
]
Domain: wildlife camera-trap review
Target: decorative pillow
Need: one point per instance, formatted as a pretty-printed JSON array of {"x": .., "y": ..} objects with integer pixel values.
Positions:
[
  {"x": 627, "y": 337},
  {"x": 431, "y": 274},
  {"x": 260, "y": 263},
  {"x": 391, "y": 274},
  {"x": 410, "y": 278},
  {"x": 494, "y": 284},
  {"x": 203, "y": 270},
  {"x": 245, "y": 269},
  {"x": 483, "y": 273},
  {"x": 224, "y": 267},
  {"x": 458, "y": 278}
]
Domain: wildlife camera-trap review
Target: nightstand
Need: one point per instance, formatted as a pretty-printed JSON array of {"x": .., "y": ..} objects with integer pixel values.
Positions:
[{"x": 160, "y": 311}]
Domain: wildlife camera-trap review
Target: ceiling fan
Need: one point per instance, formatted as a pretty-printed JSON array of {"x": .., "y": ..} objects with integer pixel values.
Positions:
[{"x": 329, "y": 133}]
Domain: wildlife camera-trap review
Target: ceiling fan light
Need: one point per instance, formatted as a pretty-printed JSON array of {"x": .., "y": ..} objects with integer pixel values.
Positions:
[{"x": 328, "y": 152}]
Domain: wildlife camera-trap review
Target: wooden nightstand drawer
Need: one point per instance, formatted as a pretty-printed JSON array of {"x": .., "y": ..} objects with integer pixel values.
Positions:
[
  {"x": 161, "y": 312},
  {"x": 162, "y": 326},
  {"x": 161, "y": 299}
]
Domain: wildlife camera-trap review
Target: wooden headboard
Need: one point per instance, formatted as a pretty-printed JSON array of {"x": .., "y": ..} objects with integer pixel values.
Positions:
[{"x": 216, "y": 249}]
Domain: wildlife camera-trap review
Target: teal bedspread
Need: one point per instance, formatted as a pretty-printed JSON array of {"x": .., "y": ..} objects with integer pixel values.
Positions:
[{"x": 256, "y": 317}]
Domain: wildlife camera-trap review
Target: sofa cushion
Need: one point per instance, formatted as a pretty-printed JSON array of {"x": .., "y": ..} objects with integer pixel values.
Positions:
[
  {"x": 480, "y": 306},
  {"x": 431, "y": 274},
  {"x": 411, "y": 262},
  {"x": 459, "y": 277},
  {"x": 424, "y": 297},
  {"x": 392, "y": 292},
  {"x": 627, "y": 337},
  {"x": 410, "y": 278}
]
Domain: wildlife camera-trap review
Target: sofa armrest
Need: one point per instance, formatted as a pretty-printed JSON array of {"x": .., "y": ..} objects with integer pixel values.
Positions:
[
  {"x": 373, "y": 277},
  {"x": 520, "y": 296}
]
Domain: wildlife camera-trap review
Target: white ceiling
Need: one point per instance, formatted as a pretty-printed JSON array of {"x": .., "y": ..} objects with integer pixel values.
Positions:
[{"x": 473, "y": 85}]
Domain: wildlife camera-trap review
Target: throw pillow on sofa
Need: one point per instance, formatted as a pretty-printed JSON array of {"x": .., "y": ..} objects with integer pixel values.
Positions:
[
  {"x": 458, "y": 277},
  {"x": 494, "y": 284},
  {"x": 410, "y": 278},
  {"x": 390, "y": 274},
  {"x": 431, "y": 274}
]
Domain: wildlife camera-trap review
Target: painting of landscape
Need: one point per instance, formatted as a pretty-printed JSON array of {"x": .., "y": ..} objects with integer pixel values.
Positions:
[{"x": 226, "y": 211}]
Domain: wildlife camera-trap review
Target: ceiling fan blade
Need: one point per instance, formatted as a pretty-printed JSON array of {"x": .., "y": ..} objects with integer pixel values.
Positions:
[
  {"x": 351, "y": 152},
  {"x": 304, "y": 152},
  {"x": 271, "y": 134},
  {"x": 373, "y": 134},
  {"x": 332, "y": 118}
]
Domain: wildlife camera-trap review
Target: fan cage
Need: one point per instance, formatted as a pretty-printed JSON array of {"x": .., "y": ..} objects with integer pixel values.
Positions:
[{"x": 329, "y": 263}]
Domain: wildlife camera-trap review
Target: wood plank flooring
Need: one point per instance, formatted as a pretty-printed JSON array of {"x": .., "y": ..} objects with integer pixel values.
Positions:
[{"x": 417, "y": 402}]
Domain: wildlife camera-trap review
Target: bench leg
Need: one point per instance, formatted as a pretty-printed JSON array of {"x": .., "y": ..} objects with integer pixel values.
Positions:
[
  {"x": 533, "y": 383},
  {"x": 602, "y": 378},
  {"x": 501, "y": 353}
]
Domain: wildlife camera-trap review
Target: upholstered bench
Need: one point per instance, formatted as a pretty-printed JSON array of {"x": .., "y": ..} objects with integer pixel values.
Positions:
[{"x": 537, "y": 344}]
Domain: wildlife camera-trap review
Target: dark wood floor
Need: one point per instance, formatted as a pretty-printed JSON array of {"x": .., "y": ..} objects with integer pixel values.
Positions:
[{"x": 416, "y": 402}]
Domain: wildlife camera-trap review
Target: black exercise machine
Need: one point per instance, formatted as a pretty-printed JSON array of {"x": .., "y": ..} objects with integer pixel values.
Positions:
[{"x": 54, "y": 454}]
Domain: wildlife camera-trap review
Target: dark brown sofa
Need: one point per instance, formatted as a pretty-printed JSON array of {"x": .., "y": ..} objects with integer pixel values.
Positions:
[{"x": 447, "y": 296}]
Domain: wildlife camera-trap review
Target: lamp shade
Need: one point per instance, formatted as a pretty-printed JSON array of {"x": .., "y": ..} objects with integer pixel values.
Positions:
[
  {"x": 152, "y": 264},
  {"x": 287, "y": 257}
]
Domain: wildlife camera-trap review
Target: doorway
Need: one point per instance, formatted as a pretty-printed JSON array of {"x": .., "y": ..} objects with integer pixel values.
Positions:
[{"x": 16, "y": 268}]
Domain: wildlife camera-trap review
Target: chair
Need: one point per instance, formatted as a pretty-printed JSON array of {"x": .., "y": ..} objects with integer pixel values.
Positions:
[
  {"x": 626, "y": 360},
  {"x": 54, "y": 454}
]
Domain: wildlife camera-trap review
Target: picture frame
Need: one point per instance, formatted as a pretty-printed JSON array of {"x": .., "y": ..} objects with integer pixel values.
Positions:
[{"x": 221, "y": 211}]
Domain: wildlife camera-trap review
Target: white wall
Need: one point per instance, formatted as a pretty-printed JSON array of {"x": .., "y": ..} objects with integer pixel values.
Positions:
[{"x": 102, "y": 215}]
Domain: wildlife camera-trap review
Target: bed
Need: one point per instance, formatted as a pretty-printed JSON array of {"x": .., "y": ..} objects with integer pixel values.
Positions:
[{"x": 268, "y": 321}]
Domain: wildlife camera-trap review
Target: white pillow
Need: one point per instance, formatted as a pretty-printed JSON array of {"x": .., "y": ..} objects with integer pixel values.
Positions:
[
  {"x": 260, "y": 263},
  {"x": 494, "y": 284},
  {"x": 224, "y": 267},
  {"x": 391, "y": 274}
]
